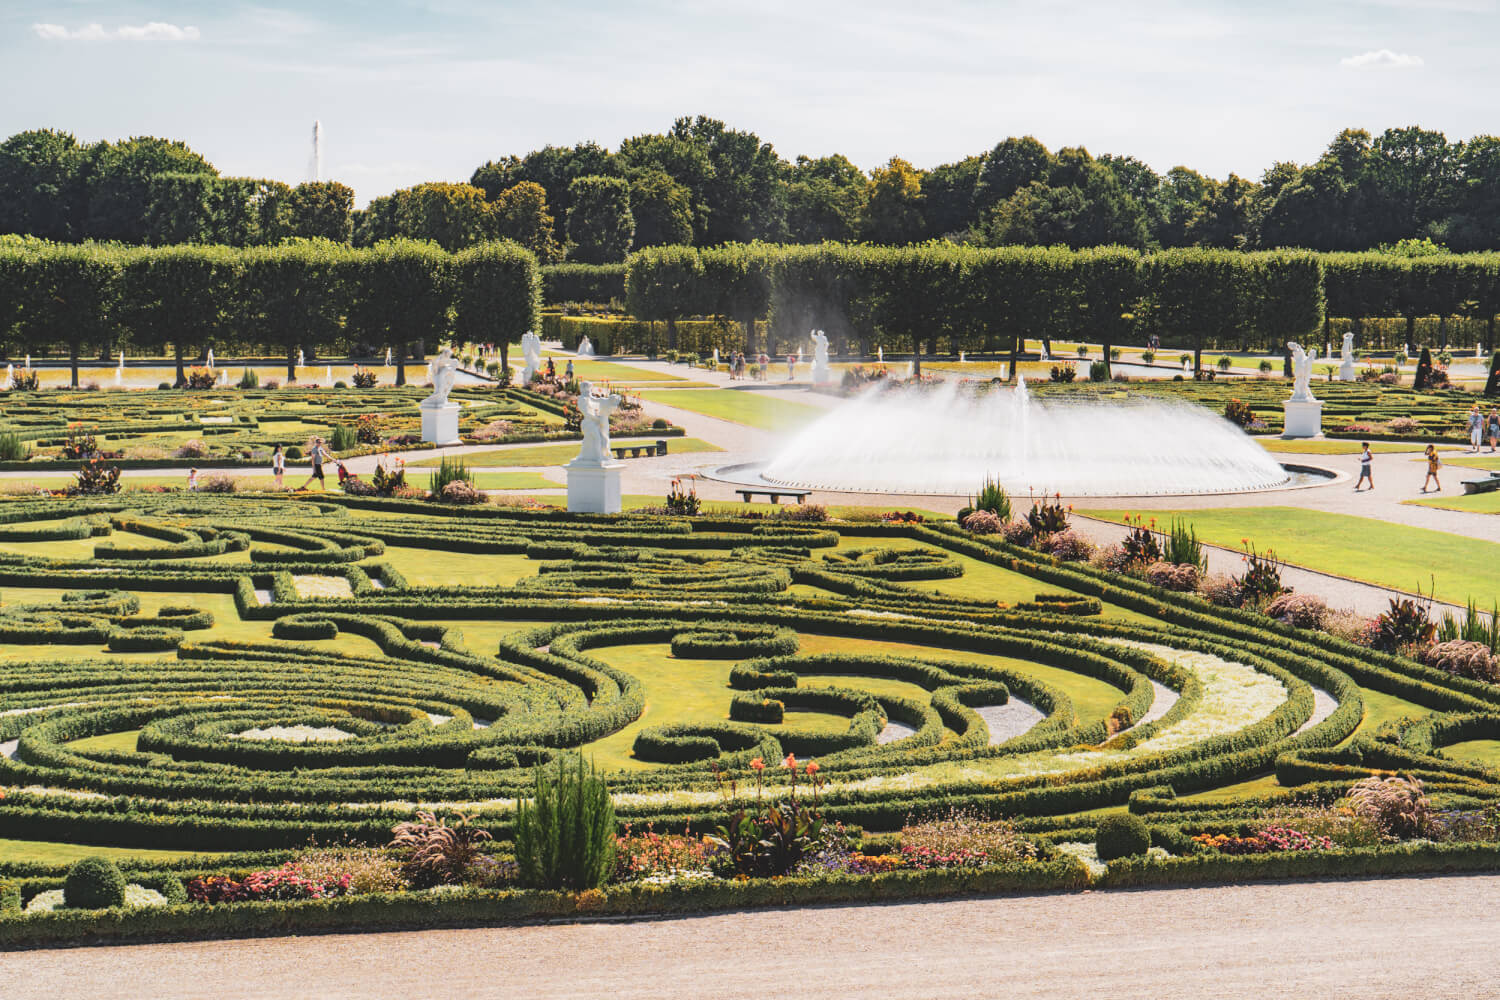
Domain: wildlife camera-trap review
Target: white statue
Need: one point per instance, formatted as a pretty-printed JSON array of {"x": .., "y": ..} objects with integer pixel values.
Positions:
[
  {"x": 210, "y": 358},
  {"x": 299, "y": 357},
  {"x": 596, "y": 411},
  {"x": 1346, "y": 369},
  {"x": 820, "y": 357},
  {"x": 444, "y": 372},
  {"x": 387, "y": 357},
  {"x": 585, "y": 348},
  {"x": 531, "y": 350},
  {"x": 1302, "y": 372}
]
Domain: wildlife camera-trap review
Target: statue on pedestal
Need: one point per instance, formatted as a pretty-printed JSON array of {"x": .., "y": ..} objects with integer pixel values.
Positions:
[
  {"x": 531, "y": 351},
  {"x": 596, "y": 411},
  {"x": 1346, "y": 369},
  {"x": 820, "y": 357},
  {"x": 1302, "y": 372},
  {"x": 444, "y": 371}
]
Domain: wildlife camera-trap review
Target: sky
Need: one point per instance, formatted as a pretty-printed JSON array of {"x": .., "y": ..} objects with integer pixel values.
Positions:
[{"x": 424, "y": 91}]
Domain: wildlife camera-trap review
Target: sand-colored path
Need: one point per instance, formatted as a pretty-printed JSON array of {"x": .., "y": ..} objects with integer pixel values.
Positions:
[{"x": 1419, "y": 937}]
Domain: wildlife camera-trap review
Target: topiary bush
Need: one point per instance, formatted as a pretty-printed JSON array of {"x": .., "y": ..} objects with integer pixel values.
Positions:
[
  {"x": 1123, "y": 835},
  {"x": 565, "y": 836},
  {"x": 94, "y": 884}
]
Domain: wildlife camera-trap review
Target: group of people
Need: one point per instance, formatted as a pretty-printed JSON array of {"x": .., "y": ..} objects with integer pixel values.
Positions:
[
  {"x": 738, "y": 363},
  {"x": 1482, "y": 428}
]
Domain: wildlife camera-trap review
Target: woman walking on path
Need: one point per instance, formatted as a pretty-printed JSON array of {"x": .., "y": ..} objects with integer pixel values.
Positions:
[
  {"x": 1476, "y": 429},
  {"x": 1494, "y": 430},
  {"x": 1433, "y": 464},
  {"x": 1365, "y": 461},
  {"x": 318, "y": 455},
  {"x": 278, "y": 465}
]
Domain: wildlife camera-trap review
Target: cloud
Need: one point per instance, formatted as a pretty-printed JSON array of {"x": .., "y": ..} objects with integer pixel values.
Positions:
[
  {"x": 1381, "y": 59},
  {"x": 154, "y": 31}
]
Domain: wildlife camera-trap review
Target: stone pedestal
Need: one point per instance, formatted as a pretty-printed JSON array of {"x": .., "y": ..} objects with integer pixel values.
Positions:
[
  {"x": 1346, "y": 371},
  {"x": 440, "y": 423},
  {"x": 821, "y": 375},
  {"x": 1304, "y": 418},
  {"x": 594, "y": 489}
]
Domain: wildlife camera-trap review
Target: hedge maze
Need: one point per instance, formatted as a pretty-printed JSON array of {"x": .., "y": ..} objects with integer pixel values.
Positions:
[{"x": 174, "y": 675}]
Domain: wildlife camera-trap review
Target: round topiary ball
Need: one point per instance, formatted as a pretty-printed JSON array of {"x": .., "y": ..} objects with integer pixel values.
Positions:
[
  {"x": 94, "y": 884},
  {"x": 1122, "y": 836}
]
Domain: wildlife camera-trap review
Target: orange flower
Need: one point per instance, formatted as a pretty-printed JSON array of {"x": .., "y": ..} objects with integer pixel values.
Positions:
[
  {"x": 812, "y": 767},
  {"x": 790, "y": 762},
  {"x": 758, "y": 764}
]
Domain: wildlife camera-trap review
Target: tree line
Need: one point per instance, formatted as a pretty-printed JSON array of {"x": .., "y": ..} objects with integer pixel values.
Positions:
[
  {"x": 992, "y": 300},
  {"x": 97, "y": 298},
  {"x": 702, "y": 183}
]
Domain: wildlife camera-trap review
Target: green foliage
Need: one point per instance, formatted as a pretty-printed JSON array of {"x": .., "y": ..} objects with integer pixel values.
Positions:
[
  {"x": 1122, "y": 835},
  {"x": 341, "y": 438},
  {"x": 565, "y": 835},
  {"x": 993, "y": 498},
  {"x": 451, "y": 470},
  {"x": 94, "y": 884},
  {"x": 12, "y": 448},
  {"x": 97, "y": 478},
  {"x": 1180, "y": 546},
  {"x": 248, "y": 379},
  {"x": 600, "y": 224}
]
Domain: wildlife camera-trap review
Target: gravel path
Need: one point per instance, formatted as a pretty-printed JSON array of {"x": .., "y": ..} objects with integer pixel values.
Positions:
[{"x": 1262, "y": 941}]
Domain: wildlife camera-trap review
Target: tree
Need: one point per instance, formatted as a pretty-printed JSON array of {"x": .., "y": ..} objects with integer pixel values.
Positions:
[
  {"x": 118, "y": 183},
  {"x": 451, "y": 215},
  {"x": 948, "y": 197},
  {"x": 1109, "y": 288},
  {"x": 178, "y": 296},
  {"x": 1089, "y": 209},
  {"x": 402, "y": 293},
  {"x": 41, "y": 185},
  {"x": 498, "y": 294},
  {"x": 323, "y": 210},
  {"x": 294, "y": 294},
  {"x": 1284, "y": 293},
  {"x": 1010, "y": 166},
  {"x": 600, "y": 225},
  {"x": 1411, "y": 173},
  {"x": 893, "y": 214},
  {"x": 520, "y": 214},
  {"x": 737, "y": 283},
  {"x": 662, "y": 209},
  {"x": 1195, "y": 294},
  {"x": 73, "y": 298},
  {"x": 664, "y": 284},
  {"x": 825, "y": 198},
  {"x": 744, "y": 192},
  {"x": 818, "y": 287},
  {"x": 553, "y": 167}
]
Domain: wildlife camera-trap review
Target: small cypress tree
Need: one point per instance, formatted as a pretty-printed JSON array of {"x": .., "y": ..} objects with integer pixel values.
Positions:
[
  {"x": 1492, "y": 384},
  {"x": 1424, "y": 370},
  {"x": 565, "y": 836}
]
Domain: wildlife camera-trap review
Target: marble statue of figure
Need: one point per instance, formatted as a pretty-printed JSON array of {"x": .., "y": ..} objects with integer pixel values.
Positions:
[
  {"x": 531, "y": 351},
  {"x": 596, "y": 411},
  {"x": 1302, "y": 371},
  {"x": 585, "y": 348},
  {"x": 444, "y": 372},
  {"x": 1346, "y": 369},
  {"x": 820, "y": 356}
]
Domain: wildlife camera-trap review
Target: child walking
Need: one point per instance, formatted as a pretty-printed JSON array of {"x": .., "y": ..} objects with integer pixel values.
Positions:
[
  {"x": 1365, "y": 461},
  {"x": 278, "y": 465},
  {"x": 1433, "y": 464}
]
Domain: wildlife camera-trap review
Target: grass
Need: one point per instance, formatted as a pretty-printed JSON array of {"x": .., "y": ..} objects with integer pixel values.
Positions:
[
  {"x": 613, "y": 371},
  {"x": 46, "y": 852},
  {"x": 755, "y": 409},
  {"x": 556, "y": 454},
  {"x": 1335, "y": 447},
  {"x": 1473, "y": 503},
  {"x": 1486, "y": 752},
  {"x": 1490, "y": 463},
  {"x": 1378, "y": 552}
]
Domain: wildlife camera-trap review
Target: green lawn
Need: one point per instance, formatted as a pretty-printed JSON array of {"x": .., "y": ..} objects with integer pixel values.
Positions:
[
  {"x": 1336, "y": 447},
  {"x": 615, "y": 371},
  {"x": 761, "y": 409},
  {"x": 1484, "y": 460},
  {"x": 1474, "y": 503},
  {"x": 557, "y": 454},
  {"x": 1486, "y": 752},
  {"x": 46, "y": 852},
  {"x": 1378, "y": 552}
]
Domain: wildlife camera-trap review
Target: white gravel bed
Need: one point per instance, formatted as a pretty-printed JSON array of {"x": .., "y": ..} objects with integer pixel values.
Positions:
[
  {"x": 322, "y": 586},
  {"x": 295, "y": 734},
  {"x": 894, "y": 731},
  {"x": 1323, "y": 706},
  {"x": 135, "y": 896},
  {"x": 1161, "y": 703},
  {"x": 1010, "y": 720},
  {"x": 9, "y": 748},
  {"x": 263, "y": 596}
]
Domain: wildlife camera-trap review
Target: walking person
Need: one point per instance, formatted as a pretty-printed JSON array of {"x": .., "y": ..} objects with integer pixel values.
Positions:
[
  {"x": 1476, "y": 429},
  {"x": 791, "y": 367},
  {"x": 192, "y": 480},
  {"x": 318, "y": 454},
  {"x": 278, "y": 465},
  {"x": 570, "y": 370},
  {"x": 1433, "y": 464},
  {"x": 1494, "y": 428},
  {"x": 1366, "y": 460}
]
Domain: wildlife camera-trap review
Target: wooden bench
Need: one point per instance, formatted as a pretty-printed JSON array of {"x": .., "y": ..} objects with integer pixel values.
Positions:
[
  {"x": 775, "y": 495},
  {"x": 1486, "y": 485},
  {"x": 659, "y": 448}
]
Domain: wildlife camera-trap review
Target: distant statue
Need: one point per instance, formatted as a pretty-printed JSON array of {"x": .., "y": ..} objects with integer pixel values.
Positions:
[
  {"x": 1346, "y": 369},
  {"x": 585, "y": 348},
  {"x": 1302, "y": 372},
  {"x": 596, "y": 411},
  {"x": 531, "y": 352},
  {"x": 444, "y": 372},
  {"x": 820, "y": 357}
]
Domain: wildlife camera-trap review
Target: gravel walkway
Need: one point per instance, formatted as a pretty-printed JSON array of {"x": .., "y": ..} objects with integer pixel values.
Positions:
[{"x": 1262, "y": 941}]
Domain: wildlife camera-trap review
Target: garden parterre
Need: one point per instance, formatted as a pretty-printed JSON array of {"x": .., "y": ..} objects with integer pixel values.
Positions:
[{"x": 134, "y": 719}]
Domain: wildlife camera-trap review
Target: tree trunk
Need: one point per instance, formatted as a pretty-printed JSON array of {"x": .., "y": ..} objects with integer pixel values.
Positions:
[
  {"x": 1197, "y": 358},
  {"x": 1046, "y": 347},
  {"x": 1107, "y": 347},
  {"x": 1411, "y": 335},
  {"x": 916, "y": 354},
  {"x": 1442, "y": 333},
  {"x": 1489, "y": 334},
  {"x": 181, "y": 375},
  {"x": 504, "y": 357},
  {"x": 671, "y": 333},
  {"x": 73, "y": 362},
  {"x": 1015, "y": 351},
  {"x": 400, "y": 362},
  {"x": 291, "y": 363}
]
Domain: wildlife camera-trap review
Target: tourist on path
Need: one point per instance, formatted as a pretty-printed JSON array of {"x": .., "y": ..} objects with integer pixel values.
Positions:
[
  {"x": 791, "y": 367},
  {"x": 1494, "y": 428},
  {"x": 192, "y": 479},
  {"x": 1365, "y": 461},
  {"x": 570, "y": 370},
  {"x": 318, "y": 455},
  {"x": 1476, "y": 429},
  {"x": 278, "y": 465},
  {"x": 1433, "y": 464}
]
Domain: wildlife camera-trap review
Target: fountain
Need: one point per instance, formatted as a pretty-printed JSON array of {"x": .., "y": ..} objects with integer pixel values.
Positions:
[
  {"x": 330, "y": 376},
  {"x": 119, "y": 377},
  {"x": 880, "y": 354},
  {"x": 224, "y": 377},
  {"x": 387, "y": 357},
  {"x": 716, "y": 358},
  {"x": 28, "y": 363},
  {"x": 961, "y": 359},
  {"x": 947, "y": 440},
  {"x": 10, "y": 371},
  {"x": 299, "y": 357},
  {"x": 210, "y": 359}
]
